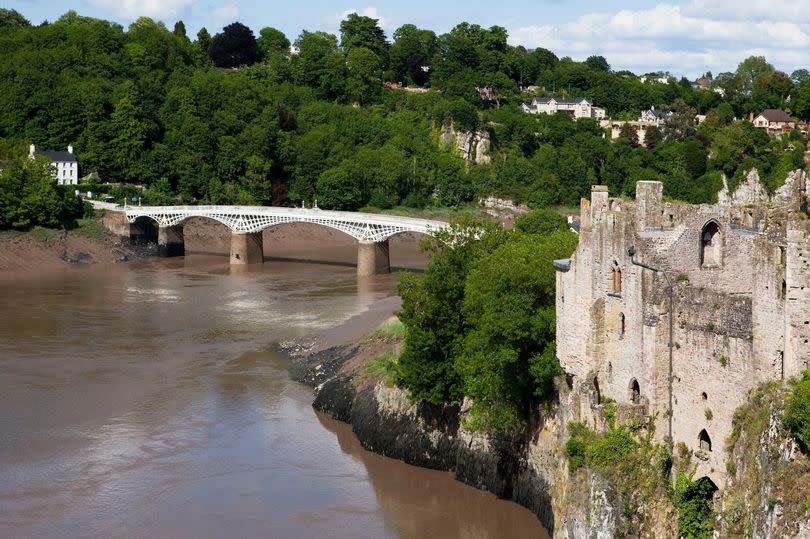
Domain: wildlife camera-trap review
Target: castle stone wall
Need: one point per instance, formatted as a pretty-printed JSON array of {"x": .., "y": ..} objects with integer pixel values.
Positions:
[{"x": 735, "y": 324}]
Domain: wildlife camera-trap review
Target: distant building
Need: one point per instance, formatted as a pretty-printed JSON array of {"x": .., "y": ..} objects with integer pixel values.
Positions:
[
  {"x": 577, "y": 107},
  {"x": 658, "y": 79},
  {"x": 703, "y": 82},
  {"x": 774, "y": 121},
  {"x": 66, "y": 167},
  {"x": 654, "y": 116}
]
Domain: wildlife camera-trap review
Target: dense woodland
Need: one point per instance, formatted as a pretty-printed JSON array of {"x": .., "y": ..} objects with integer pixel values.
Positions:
[{"x": 238, "y": 118}]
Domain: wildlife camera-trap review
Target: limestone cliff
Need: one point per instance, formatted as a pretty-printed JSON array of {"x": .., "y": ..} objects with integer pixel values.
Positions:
[
  {"x": 769, "y": 478},
  {"x": 473, "y": 145}
]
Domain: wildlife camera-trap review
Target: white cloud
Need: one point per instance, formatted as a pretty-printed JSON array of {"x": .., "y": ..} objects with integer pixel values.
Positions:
[
  {"x": 690, "y": 39},
  {"x": 132, "y": 9},
  {"x": 225, "y": 15},
  {"x": 368, "y": 11}
]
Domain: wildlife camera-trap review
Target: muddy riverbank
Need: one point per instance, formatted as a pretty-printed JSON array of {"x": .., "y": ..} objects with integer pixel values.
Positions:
[{"x": 385, "y": 421}]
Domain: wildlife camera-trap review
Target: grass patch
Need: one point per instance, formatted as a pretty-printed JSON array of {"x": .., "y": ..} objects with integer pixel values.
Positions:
[
  {"x": 392, "y": 330},
  {"x": 381, "y": 368},
  {"x": 45, "y": 235},
  {"x": 90, "y": 228}
]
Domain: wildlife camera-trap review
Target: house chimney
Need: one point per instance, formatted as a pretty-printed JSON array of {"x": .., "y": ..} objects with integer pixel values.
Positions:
[
  {"x": 31, "y": 150},
  {"x": 70, "y": 148}
]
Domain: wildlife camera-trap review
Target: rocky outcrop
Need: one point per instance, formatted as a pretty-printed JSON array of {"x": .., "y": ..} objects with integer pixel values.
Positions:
[
  {"x": 473, "y": 145},
  {"x": 386, "y": 422},
  {"x": 750, "y": 191},
  {"x": 792, "y": 190},
  {"x": 769, "y": 478},
  {"x": 530, "y": 469}
]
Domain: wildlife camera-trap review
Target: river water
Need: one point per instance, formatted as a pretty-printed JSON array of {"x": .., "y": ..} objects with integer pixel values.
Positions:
[{"x": 143, "y": 400}]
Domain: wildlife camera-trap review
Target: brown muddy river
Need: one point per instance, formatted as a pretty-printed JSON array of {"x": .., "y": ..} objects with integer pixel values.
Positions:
[{"x": 143, "y": 400}]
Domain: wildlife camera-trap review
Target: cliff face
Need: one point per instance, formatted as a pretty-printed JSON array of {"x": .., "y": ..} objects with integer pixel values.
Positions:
[
  {"x": 765, "y": 497},
  {"x": 530, "y": 469},
  {"x": 769, "y": 478},
  {"x": 473, "y": 145},
  {"x": 386, "y": 422}
]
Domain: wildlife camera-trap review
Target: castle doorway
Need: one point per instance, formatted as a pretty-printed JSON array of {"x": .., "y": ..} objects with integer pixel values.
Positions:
[{"x": 710, "y": 242}]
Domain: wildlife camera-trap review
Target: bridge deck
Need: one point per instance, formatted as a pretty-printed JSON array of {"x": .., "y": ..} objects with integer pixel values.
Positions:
[{"x": 247, "y": 219}]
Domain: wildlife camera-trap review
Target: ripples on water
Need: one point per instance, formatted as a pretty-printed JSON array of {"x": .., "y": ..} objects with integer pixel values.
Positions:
[{"x": 143, "y": 401}]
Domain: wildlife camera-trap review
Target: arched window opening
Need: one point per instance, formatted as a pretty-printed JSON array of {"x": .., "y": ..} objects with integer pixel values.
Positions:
[
  {"x": 710, "y": 241},
  {"x": 622, "y": 325},
  {"x": 704, "y": 396},
  {"x": 635, "y": 391},
  {"x": 783, "y": 291},
  {"x": 616, "y": 273},
  {"x": 704, "y": 442}
]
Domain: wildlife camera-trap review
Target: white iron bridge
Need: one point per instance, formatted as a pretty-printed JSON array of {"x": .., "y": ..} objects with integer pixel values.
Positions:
[
  {"x": 366, "y": 227},
  {"x": 246, "y": 223}
]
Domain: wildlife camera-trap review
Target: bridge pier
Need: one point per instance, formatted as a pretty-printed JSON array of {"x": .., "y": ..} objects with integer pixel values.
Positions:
[
  {"x": 170, "y": 241},
  {"x": 373, "y": 258},
  {"x": 247, "y": 248}
]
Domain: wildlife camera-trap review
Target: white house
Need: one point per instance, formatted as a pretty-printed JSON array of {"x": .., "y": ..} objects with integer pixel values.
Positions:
[
  {"x": 654, "y": 116},
  {"x": 66, "y": 168},
  {"x": 657, "y": 79},
  {"x": 577, "y": 107}
]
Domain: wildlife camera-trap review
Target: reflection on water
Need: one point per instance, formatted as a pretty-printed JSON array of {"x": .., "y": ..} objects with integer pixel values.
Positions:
[{"x": 143, "y": 401}]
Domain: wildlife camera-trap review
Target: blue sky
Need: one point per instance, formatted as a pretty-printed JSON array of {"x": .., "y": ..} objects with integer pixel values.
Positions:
[{"x": 685, "y": 37}]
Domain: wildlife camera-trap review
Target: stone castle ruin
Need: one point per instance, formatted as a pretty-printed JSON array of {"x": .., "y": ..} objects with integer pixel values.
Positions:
[{"x": 740, "y": 274}]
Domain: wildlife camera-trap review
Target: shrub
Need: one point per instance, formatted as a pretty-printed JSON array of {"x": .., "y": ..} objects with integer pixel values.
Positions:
[
  {"x": 612, "y": 448},
  {"x": 797, "y": 412},
  {"x": 695, "y": 507}
]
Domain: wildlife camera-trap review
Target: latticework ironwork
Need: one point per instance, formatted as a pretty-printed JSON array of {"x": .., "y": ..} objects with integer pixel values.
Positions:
[{"x": 361, "y": 226}]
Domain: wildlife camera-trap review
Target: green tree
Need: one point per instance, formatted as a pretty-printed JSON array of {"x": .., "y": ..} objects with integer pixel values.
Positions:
[
  {"x": 432, "y": 310},
  {"x": 801, "y": 103},
  {"x": 204, "y": 45},
  {"x": 797, "y": 412},
  {"x": 508, "y": 362},
  {"x": 749, "y": 69},
  {"x": 681, "y": 123},
  {"x": 361, "y": 31},
  {"x": 799, "y": 76},
  {"x": 180, "y": 30},
  {"x": 363, "y": 75},
  {"x": 411, "y": 55},
  {"x": 234, "y": 47},
  {"x": 272, "y": 41},
  {"x": 337, "y": 189},
  {"x": 319, "y": 64},
  {"x": 629, "y": 133},
  {"x": 653, "y": 137},
  {"x": 598, "y": 63},
  {"x": 128, "y": 144},
  {"x": 29, "y": 195},
  {"x": 11, "y": 18},
  {"x": 543, "y": 222}
]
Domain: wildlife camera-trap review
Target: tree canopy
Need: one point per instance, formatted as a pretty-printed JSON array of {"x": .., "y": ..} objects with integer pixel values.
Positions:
[{"x": 285, "y": 124}]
